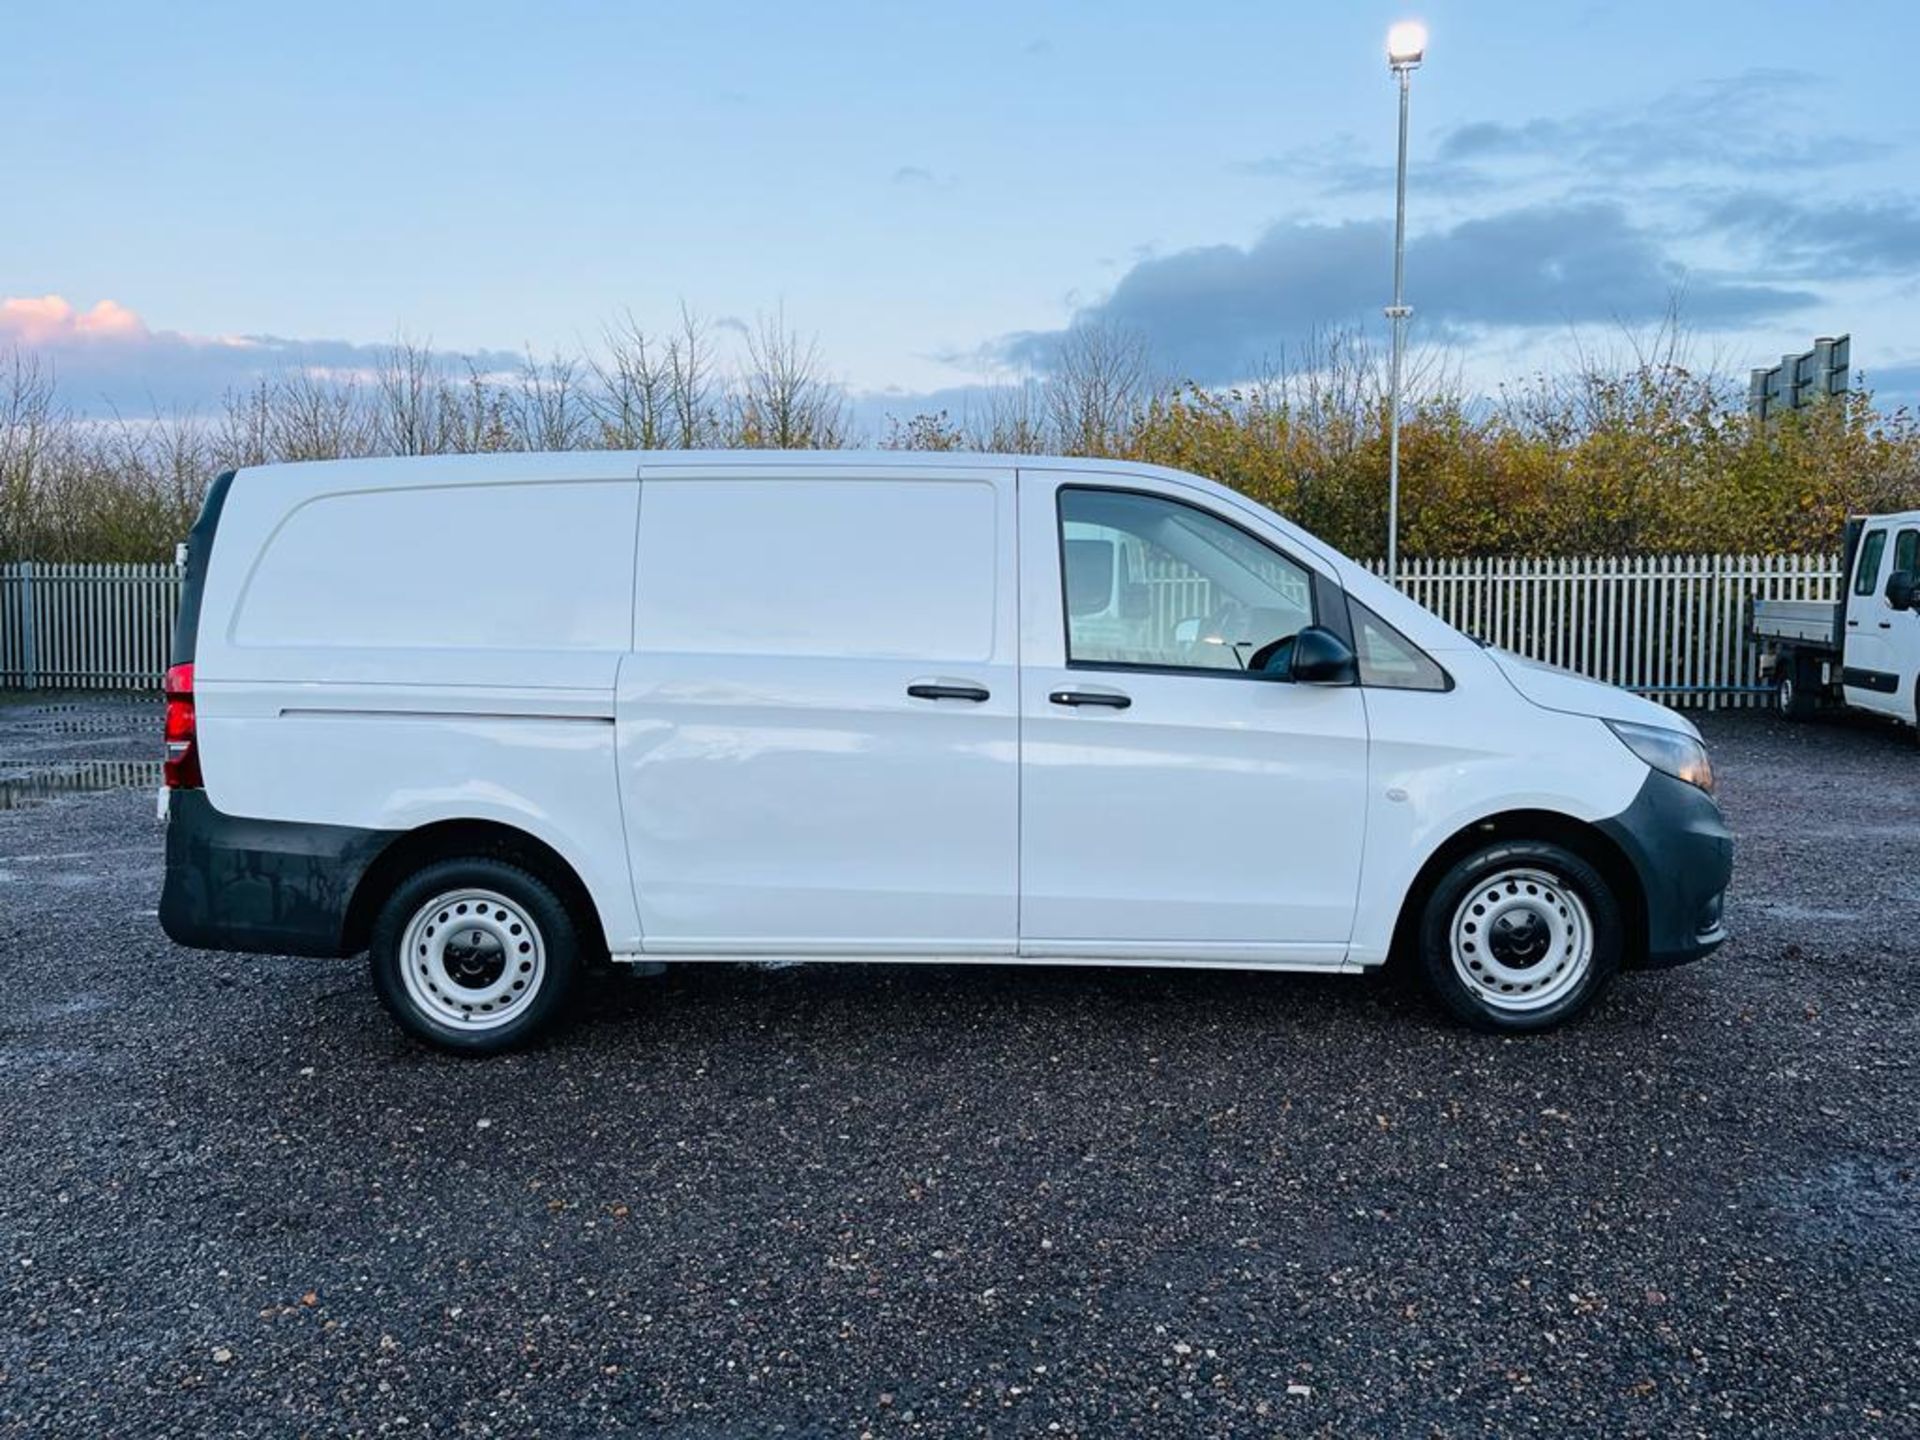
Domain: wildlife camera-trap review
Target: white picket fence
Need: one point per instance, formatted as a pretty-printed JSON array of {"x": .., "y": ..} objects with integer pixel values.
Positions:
[
  {"x": 1673, "y": 627},
  {"x": 1670, "y": 626}
]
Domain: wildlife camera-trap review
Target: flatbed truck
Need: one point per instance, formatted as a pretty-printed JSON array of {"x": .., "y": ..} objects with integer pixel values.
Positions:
[{"x": 1861, "y": 651}]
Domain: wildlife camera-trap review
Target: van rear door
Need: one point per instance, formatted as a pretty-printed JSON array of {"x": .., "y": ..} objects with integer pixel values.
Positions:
[
  {"x": 1869, "y": 675},
  {"x": 818, "y": 723}
]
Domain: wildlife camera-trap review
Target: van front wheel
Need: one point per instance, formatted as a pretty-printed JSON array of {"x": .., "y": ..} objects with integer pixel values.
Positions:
[
  {"x": 1520, "y": 936},
  {"x": 474, "y": 955}
]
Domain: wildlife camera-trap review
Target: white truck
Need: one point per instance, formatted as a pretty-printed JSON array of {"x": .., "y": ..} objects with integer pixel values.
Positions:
[{"x": 1862, "y": 650}]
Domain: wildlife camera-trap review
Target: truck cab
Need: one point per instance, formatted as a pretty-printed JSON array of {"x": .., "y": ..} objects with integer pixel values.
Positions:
[
  {"x": 1863, "y": 650},
  {"x": 1880, "y": 633}
]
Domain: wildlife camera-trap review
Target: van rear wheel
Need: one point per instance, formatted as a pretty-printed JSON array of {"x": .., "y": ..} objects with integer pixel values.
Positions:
[
  {"x": 474, "y": 955},
  {"x": 1520, "y": 936}
]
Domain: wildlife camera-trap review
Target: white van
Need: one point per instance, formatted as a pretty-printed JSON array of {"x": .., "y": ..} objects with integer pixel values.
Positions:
[{"x": 495, "y": 719}]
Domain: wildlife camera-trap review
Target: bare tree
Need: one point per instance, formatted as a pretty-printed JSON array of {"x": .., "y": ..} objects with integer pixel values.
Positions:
[
  {"x": 31, "y": 426},
  {"x": 165, "y": 460},
  {"x": 410, "y": 391},
  {"x": 631, "y": 402},
  {"x": 784, "y": 400},
  {"x": 473, "y": 413},
  {"x": 1011, "y": 421},
  {"x": 1095, "y": 387},
  {"x": 306, "y": 415},
  {"x": 929, "y": 430},
  {"x": 691, "y": 382},
  {"x": 180, "y": 452},
  {"x": 242, "y": 434},
  {"x": 547, "y": 411},
  {"x": 1006, "y": 418},
  {"x": 651, "y": 394}
]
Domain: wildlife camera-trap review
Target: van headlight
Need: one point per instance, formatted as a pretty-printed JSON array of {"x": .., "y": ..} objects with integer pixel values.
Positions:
[{"x": 1671, "y": 752}]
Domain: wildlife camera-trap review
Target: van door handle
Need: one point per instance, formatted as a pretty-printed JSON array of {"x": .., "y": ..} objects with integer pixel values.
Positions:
[
  {"x": 975, "y": 693},
  {"x": 1112, "y": 699},
  {"x": 1886, "y": 624}
]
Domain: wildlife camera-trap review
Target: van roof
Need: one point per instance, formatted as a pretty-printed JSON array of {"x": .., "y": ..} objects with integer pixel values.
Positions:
[
  {"x": 308, "y": 478},
  {"x": 376, "y": 472}
]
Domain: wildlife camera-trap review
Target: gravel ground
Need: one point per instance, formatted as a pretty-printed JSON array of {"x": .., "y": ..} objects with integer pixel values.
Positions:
[{"x": 843, "y": 1200}]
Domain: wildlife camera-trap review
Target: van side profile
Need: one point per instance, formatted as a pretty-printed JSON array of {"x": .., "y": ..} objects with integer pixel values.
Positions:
[{"x": 494, "y": 719}]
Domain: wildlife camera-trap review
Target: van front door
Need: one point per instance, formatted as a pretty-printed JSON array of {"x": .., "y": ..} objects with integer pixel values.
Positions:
[
  {"x": 1174, "y": 804},
  {"x": 818, "y": 722},
  {"x": 1868, "y": 676}
]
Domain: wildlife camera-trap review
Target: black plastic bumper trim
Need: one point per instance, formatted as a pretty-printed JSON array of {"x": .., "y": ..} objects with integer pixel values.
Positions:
[
  {"x": 1680, "y": 847},
  {"x": 270, "y": 887},
  {"x": 1881, "y": 681}
]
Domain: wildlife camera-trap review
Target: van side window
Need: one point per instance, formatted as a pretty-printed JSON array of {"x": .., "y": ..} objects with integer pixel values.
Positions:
[
  {"x": 1868, "y": 570},
  {"x": 1388, "y": 660},
  {"x": 1906, "y": 552},
  {"x": 1154, "y": 582}
]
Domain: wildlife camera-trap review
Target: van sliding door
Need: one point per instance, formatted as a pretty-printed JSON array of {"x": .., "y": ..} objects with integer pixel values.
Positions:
[{"x": 818, "y": 723}]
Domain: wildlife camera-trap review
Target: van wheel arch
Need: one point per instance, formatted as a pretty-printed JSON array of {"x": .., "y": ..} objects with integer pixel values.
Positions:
[
  {"x": 1587, "y": 841},
  {"x": 406, "y": 854}
]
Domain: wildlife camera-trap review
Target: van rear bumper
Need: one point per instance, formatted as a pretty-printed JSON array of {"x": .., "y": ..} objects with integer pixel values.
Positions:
[
  {"x": 272, "y": 887},
  {"x": 1682, "y": 851}
]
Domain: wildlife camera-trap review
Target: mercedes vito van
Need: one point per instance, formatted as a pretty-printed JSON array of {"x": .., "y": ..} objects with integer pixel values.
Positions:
[{"x": 495, "y": 719}]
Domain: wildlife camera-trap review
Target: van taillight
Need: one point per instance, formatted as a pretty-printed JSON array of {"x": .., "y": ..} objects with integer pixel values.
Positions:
[{"x": 182, "y": 769}]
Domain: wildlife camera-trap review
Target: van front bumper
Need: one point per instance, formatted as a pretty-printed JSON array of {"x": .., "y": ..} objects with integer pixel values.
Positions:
[
  {"x": 1680, "y": 847},
  {"x": 272, "y": 887}
]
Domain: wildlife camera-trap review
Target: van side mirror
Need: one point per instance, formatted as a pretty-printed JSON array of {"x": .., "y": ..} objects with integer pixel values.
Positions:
[
  {"x": 1320, "y": 657},
  {"x": 1900, "y": 590}
]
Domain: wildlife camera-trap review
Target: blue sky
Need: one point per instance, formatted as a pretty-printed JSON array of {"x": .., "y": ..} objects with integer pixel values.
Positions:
[{"x": 934, "y": 190}]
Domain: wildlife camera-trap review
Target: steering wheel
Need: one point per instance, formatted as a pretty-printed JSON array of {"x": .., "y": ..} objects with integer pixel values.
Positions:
[{"x": 1230, "y": 621}]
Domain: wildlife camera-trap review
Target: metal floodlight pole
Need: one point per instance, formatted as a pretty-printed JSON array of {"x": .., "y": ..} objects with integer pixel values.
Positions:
[{"x": 1406, "y": 47}]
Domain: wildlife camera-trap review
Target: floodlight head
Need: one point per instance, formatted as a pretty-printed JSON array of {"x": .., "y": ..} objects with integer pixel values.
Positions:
[{"x": 1406, "y": 45}]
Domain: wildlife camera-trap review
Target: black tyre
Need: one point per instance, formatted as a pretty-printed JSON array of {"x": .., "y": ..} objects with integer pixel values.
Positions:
[
  {"x": 474, "y": 955},
  {"x": 1520, "y": 936},
  {"x": 1793, "y": 695}
]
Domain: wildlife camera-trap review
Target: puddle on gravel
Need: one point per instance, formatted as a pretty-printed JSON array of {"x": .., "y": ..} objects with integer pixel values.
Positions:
[
  {"x": 1786, "y": 910},
  {"x": 1865, "y": 1202},
  {"x": 88, "y": 721},
  {"x": 25, "y": 783},
  {"x": 51, "y": 1012},
  {"x": 40, "y": 1058}
]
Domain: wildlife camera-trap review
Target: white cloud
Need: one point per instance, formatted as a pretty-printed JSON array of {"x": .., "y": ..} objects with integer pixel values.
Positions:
[
  {"x": 53, "y": 320},
  {"x": 106, "y": 357}
]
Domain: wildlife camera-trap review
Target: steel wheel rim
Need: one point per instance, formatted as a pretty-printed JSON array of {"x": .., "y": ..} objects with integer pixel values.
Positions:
[
  {"x": 472, "y": 960},
  {"x": 1521, "y": 940},
  {"x": 1786, "y": 692}
]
